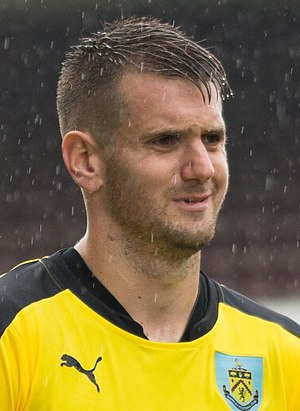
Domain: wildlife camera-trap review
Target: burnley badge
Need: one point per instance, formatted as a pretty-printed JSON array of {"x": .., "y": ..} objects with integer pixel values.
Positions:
[{"x": 239, "y": 380}]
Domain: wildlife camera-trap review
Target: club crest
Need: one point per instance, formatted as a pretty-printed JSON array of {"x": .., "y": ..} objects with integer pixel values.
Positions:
[{"x": 239, "y": 380}]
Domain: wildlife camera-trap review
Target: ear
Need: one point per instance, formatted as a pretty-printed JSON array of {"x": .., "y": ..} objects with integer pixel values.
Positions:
[{"x": 82, "y": 157}]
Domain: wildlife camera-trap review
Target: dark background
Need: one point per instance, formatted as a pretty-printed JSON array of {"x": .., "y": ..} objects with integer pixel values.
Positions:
[{"x": 256, "y": 249}]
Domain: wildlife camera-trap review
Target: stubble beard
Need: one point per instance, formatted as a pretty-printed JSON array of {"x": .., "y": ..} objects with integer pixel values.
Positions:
[{"x": 148, "y": 229}]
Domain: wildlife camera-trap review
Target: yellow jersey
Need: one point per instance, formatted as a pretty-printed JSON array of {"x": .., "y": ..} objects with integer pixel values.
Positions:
[{"x": 62, "y": 348}]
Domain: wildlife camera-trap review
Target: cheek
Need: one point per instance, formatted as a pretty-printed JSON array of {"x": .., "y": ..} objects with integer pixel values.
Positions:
[
  {"x": 135, "y": 176},
  {"x": 222, "y": 173},
  {"x": 153, "y": 171}
]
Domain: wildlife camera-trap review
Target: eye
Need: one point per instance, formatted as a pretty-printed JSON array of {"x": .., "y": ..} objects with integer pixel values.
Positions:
[
  {"x": 212, "y": 138},
  {"x": 167, "y": 140}
]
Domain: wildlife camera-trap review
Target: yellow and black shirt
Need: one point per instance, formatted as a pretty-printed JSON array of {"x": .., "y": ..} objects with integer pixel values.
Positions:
[{"x": 67, "y": 344}]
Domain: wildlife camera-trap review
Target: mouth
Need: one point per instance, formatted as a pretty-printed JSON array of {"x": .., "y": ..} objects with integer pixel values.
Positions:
[
  {"x": 192, "y": 200},
  {"x": 195, "y": 202}
]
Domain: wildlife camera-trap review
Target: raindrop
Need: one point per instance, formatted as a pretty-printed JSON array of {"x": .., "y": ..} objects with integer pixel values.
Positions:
[
  {"x": 58, "y": 186},
  {"x": 270, "y": 181},
  {"x": 6, "y": 43},
  {"x": 38, "y": 120}
]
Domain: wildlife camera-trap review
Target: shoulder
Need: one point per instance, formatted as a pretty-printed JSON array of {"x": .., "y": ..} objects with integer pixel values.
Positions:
[
  {"x": 23, "y": 285},
  {"x": 247, "y": 306}
]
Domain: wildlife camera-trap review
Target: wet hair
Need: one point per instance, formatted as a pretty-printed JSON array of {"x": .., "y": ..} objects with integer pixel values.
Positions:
[{"x": 88, "y": 96}]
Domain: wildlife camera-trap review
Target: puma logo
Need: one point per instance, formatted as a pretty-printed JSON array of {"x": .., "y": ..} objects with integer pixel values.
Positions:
[{"x": 72, "y": 362}]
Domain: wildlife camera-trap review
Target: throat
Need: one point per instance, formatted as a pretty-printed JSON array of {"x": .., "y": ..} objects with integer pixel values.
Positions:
[
  {"x": 169, "y": 332},
  {"x": 157, "y": 294},
  {"x": 165, "y": 317},
  {"x": 160, "y": 264}
]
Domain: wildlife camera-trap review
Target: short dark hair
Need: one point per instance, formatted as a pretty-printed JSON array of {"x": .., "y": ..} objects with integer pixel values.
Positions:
[{"x": 87, "y": 96}]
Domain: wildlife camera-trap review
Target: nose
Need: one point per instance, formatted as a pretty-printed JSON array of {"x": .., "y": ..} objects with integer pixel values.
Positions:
[{"x": 197, "y": 164}]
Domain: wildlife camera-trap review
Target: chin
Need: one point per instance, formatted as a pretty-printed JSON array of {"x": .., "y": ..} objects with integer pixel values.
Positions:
[
  {"x": 198, "y": 243},
  {"x": 187, "y": 244}
]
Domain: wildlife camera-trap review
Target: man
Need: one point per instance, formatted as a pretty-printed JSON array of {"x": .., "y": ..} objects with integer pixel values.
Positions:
[{"x": 123, "y": 321}]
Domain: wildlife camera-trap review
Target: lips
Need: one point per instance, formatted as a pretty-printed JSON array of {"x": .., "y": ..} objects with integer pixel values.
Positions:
[
  {"x": 193, "y": 202},
  {"x": 192, "y": 198}
]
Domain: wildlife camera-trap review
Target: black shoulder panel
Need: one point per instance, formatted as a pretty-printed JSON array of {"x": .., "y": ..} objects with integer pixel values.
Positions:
[
  {"x": 248, "y": 306},
  {"x": 27, "y": 283}
]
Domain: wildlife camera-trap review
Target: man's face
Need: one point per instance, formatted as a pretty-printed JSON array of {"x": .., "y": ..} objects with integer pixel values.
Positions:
[{"x": 166, "y": 174}]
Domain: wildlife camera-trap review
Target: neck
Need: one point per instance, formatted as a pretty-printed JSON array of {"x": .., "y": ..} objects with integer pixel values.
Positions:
[{"x": 157, "y": 291}]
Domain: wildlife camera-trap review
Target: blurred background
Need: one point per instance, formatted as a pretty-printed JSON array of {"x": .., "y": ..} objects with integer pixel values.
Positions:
[{"x": 256, "y": 248}]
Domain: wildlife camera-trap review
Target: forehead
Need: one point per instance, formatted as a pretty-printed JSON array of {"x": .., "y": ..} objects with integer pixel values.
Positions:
[{"x": 155, "y": 101}]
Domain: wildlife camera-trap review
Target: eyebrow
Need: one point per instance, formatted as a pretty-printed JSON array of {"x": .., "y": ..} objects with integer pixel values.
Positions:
[
  {"x": 177, "y": 132},
  {"x": 216, "y": 130},
  {"x": 165, "y": 132}
]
